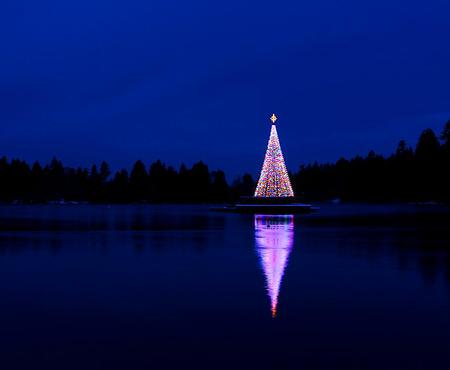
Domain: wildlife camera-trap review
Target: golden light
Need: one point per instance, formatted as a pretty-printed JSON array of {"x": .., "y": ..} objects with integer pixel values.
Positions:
[{"x": 273, "y": 118}]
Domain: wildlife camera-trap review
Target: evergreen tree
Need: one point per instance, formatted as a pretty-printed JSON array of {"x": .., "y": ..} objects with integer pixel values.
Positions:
[
  {"x": 428, "y": 166},
  {"x": 219, "y": 187},
  {"x": 445, "y": 166},
  {"x": 406, "y": 175},
  {"x": 119, "y": 187},
  {"x": 104, "y": 171},
  {"x": 199, "y": 182},
  {"x": 138, "y": 189}
]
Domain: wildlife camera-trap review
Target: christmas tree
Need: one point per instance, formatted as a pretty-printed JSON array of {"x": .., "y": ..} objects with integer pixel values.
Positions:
[{"x": 274, "y": 180}]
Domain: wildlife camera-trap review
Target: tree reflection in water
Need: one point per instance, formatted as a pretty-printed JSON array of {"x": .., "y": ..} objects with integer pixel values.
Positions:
[{"x": 274, "y": 236}]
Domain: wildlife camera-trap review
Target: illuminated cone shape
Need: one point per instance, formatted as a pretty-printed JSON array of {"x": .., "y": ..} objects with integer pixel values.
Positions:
[{"x": 274, "y": 180}]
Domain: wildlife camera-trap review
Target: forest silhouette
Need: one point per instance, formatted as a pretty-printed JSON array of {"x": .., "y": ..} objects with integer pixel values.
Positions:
[{"x": 418, "y": 174}]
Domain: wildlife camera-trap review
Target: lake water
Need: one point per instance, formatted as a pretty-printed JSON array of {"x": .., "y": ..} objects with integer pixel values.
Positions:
[{"x": 179, "y": 287}]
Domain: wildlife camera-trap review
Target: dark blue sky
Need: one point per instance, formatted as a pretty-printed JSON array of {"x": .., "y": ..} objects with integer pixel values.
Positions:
[{"x": 89, "y": 80}]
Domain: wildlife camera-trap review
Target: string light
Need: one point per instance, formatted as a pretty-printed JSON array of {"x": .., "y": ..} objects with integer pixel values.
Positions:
[{"x": 274, "y": 179}]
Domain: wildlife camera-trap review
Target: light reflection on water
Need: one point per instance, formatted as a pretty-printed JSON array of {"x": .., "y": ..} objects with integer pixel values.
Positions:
[
  {"x": 143, "y": 287},
  {"x": 274, "y": 236}
]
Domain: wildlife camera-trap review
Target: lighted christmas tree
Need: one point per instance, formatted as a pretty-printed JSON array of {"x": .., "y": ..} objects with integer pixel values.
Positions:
[{"x": 274, "y": 180}]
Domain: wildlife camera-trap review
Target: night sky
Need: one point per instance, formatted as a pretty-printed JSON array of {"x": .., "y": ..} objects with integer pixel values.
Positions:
[{"x": 183, "y": 81}]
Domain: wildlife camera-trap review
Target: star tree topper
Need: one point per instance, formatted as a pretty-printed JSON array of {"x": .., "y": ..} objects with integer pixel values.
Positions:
[{"x": 273, "y": 118}]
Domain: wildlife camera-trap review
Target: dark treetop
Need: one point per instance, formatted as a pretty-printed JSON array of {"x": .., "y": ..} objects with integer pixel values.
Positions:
[
  {"x": 181, "y": 80},
  {"x": 420, "y": 174}
]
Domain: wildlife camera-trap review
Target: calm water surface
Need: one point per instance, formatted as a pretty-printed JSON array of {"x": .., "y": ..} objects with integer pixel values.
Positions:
[{"x": 170, "y": 287}]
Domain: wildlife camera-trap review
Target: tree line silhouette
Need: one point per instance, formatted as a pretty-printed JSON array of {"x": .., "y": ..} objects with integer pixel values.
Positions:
[
  {"x": 408, "y": 175},
  {"x": 419, "y": 174},
  {"x": 20, "y": 182}
]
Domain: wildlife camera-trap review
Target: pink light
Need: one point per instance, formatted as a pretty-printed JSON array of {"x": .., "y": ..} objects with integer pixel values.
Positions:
[
  {"x": 274, "y": 179},
  {"x": 274, "y": 236}
]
